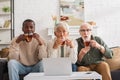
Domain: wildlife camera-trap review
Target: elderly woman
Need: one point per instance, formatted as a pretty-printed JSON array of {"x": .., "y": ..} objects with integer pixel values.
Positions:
[{"x": 61, "y": 45}]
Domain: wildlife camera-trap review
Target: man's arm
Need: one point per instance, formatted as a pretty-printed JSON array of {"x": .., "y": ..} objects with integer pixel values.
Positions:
[
  {"x": 42, "y": 51},
  {"x": 14, "y": 50},
  {"x": 100, "y": 45},
  {"x": 41, "y": 46}
]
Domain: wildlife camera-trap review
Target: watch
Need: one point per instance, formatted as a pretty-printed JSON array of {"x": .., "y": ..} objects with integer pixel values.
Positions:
[{"x": 100, "y": 48}]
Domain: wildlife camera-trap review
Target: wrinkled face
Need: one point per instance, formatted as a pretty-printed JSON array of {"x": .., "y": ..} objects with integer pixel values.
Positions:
[
  {"x": 28, "y": 27},
  {"x": 85, "y": 31},
  {"x": 61, "y": 33}
]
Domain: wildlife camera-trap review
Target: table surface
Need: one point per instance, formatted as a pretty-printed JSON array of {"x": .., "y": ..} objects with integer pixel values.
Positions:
[{"x": 74, "y": 76}]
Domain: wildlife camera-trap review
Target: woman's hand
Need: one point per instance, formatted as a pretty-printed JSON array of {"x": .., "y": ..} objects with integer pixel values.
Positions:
[
  {"x": 69, "y": 43},
  {"x": 58, "y": 42}
]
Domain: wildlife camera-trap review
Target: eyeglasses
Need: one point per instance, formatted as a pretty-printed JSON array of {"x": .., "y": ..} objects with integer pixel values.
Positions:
[{"x": 83, "y": 30}]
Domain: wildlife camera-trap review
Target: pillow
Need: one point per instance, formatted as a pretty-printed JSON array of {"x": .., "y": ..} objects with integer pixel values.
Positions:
[
  {"x": 4, "y": 52},
  {"x": 114, "y": 63}
]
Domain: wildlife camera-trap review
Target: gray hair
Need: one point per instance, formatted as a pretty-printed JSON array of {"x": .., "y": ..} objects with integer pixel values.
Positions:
[
  {"x": 61, "y": 24},
  {"x": 86, "y": 24}
]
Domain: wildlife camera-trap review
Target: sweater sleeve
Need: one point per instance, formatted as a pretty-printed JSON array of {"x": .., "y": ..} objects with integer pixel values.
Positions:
[
  {"x": 14, "y": 50},
  {"x": 73, "y": 53},
  {"x": 42, "y": 51},
  {"x": 52, "y": 53},
  {"x": 108, "y": 52}
]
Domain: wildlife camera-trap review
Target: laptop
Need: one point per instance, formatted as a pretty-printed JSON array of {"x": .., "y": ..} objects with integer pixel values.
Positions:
[{"x": 57, "y": 66}]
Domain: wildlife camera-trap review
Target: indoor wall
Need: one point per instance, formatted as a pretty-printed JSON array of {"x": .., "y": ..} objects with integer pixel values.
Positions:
[
  {"x": 104, "y": 12},
  {"x": 106, "y": 15}
]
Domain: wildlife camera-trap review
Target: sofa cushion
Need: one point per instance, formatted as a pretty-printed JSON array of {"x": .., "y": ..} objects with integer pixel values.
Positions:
[
  {"x": 115, "y": 75},
  {"x": 4, "y": 52},
  {"x": 115, "y": 61}
]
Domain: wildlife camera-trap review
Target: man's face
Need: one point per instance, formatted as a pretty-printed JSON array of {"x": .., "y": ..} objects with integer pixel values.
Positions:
[
  {"x": 61, "y": 33},
  {"x": 85, "y": 31},
  {"x": 28, "y": 27}
]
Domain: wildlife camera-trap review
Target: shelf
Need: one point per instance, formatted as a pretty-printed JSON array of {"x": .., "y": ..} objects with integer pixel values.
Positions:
[
  {"x": 5, "y": 28},
  {"x": 73, "y": 31},
  {"x": 4, "y": 14},
  {"x": 4, "y": 43},
  {"x": 4, "y": 0},
  {"x": 6, "y": 22}
]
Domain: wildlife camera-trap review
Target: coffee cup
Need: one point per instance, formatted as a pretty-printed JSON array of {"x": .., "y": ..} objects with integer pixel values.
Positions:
[
  {"x": 28, "y": 37},
  {"x": 63, "y": 41},
  {"x": 87, "y": 41}
]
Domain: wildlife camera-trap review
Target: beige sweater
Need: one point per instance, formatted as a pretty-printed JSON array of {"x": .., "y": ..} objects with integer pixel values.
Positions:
[{"x": 27, "y": 53}]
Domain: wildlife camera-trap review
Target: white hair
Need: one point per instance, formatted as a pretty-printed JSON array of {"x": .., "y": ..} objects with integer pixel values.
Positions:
[
  {"x": 86, "y": 24},
  {"x": 61, "y": 24}
]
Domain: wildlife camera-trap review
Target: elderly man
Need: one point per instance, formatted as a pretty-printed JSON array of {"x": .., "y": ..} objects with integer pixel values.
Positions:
[{"x": 91, "y": 50}]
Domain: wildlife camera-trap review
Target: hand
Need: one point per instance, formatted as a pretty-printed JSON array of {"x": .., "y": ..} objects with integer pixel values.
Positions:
[
  {"x": 37, "y": 37},
  {"x": 95, "y": 44},
  {"x": 69, "y": 43},
  {"x": 57, "y": 43},
  {"x": 20, "y": 38},
  {"x": 82, "y": 52}
]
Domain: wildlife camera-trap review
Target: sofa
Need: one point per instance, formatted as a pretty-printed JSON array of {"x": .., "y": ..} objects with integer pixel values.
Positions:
[
  {"x": 4, "y": 70},
  {"x": 3, "y": 65},
  {"x": 114, "y": 64}
]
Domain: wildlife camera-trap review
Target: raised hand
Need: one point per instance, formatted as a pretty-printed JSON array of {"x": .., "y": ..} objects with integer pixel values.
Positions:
[
  {"x": 69, "y": 43},
  {"x": 21, "y": 38},
  {"x": 82, "y": 52},
  {"x": 38, "y": 38}
]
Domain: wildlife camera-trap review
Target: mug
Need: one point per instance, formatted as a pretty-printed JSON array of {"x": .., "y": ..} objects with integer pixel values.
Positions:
[{"x": 28, "y": 37}]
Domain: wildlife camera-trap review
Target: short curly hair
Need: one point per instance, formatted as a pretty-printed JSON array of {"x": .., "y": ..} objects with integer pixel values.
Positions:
[{"x": 28, "y": 20}]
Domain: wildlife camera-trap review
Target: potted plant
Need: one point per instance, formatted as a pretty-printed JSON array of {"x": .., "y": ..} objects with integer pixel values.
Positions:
[{"x": 6, "y": 9}]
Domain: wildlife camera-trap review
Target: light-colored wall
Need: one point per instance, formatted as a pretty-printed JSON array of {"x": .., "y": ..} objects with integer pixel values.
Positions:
[
  {"x": 104, "y": 12},
  {"x": 40, "y": 11}
]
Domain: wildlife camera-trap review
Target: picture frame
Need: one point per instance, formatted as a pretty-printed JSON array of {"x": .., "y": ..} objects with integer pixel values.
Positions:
[{"x": 72, "y": 12}]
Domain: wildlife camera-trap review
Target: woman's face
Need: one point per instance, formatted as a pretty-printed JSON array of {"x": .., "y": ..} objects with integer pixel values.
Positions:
[{"x": 61, "y": 33}]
